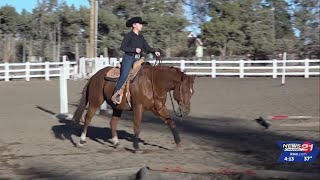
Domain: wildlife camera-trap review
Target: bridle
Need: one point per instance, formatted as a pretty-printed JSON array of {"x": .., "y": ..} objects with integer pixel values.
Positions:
[
  {"x": 180, "y": 102},
  {"x": 180, "y": 93}
]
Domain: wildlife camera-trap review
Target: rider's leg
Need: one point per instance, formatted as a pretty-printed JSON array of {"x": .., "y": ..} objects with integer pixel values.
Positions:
[{"x": 126, "y": 66}]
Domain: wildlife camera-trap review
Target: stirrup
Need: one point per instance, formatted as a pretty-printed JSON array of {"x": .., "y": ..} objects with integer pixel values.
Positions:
[{"x": 117, "y": 99}]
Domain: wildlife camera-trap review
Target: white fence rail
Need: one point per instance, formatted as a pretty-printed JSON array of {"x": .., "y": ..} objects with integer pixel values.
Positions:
[
  {"x": 214, "y": 68},
  {"x": 29, "y": 70}
]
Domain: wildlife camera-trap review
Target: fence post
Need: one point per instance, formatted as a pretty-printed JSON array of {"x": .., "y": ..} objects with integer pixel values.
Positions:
[
  {"x": 306, "y": 68},
  {"x": 47, "y": 71},
  {"x": 111, "y": 61},
  {"x": 82, "y": 68},
  {"x": 6, "y": 71},
  {"x": 27, "y": 71},
  {"x": 108, "y": 61},
  {"x": 114, "y": 62},
  {"x": 182, "y": 65},
  {"x": 284, "y": 64},
  {"x": 69, "y": 67},
  {"x": 241, "y": 68},
  {"x": 66, "y": 66},
  {"x": 94, "y": 65},
  {"x": 98, "y": 64},
  {"x": 213, "y": 69},
  {"x": 274, "y": 68},
  {"x": 75, "y": 72},
  {"x": 63, "y": 91}
]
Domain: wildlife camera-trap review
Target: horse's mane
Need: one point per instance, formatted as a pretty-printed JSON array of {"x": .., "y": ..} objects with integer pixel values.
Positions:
[
  {"x": 169, "y": 68},
  {"x": 176, "y": 72}
]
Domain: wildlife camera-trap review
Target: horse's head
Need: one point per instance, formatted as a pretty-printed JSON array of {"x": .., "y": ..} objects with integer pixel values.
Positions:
[{"x": 182, "y": 93}]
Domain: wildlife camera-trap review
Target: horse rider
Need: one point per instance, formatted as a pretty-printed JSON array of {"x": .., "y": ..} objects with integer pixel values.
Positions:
[{"x": 132, "y": 44}]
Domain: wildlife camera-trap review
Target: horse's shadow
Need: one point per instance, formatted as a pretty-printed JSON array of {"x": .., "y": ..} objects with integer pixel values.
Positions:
[
  {"x": 68, "y": 128},
  {"x": 101, "y": 135}
]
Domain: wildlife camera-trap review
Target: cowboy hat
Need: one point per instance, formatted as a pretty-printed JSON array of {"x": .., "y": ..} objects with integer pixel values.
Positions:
[{"x": 133, "y": 20}]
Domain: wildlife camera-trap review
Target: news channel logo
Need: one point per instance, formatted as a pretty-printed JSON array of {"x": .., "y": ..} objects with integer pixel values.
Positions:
[{"x": 298, "y": 151}]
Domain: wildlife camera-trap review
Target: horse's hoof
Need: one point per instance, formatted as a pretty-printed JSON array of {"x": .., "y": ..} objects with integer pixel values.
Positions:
[
  {"x": 115, "y": 142},
  {"x": 81, "y": 143},
  {"x": 178, "y": 146},
  {"x": 115, "y": 145},
  {"x": 136, "y": 146},
  {"x": 136, "y": 151}
]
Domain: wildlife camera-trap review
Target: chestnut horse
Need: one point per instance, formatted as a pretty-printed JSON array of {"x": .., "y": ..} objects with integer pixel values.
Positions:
[{"x": 148, "y": 93}]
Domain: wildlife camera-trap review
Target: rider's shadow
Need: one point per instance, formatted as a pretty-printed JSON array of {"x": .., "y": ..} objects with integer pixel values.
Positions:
[{"x": 67, "y": 129}]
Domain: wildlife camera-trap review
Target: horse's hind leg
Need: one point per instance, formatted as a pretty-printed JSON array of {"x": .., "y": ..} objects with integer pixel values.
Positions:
[
  {"x": 93, "y": 107},
  {"x": 113, "y": 124}
]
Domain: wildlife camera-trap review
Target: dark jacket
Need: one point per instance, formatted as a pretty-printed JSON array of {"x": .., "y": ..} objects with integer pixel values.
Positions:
[{"x": 131, "y": 41}]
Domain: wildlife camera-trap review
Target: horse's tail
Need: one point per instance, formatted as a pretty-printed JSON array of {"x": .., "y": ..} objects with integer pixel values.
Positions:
[{"x": 81, "y": 104}]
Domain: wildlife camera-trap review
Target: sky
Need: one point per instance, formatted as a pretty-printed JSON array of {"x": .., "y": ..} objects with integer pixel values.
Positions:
[{"x": 30, "y": 4}]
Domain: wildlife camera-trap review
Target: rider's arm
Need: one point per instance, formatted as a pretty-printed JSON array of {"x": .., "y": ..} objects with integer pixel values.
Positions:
[
  {"x": 146, "y": 47},
  {"x": 125, "y": 44}
]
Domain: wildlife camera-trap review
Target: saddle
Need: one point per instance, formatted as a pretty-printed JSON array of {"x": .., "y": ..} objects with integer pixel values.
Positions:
[{"x": 114, "y": 74}]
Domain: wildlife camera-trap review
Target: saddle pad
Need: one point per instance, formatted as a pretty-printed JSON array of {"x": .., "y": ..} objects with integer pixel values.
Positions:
[{"x": 114, "y": 73}]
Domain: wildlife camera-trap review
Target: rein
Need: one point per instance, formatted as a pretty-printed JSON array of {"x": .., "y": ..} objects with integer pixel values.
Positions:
[
  {"x": 159, "y": 61},
  {"x": 174, "y": 109},
  {"x": 180, "y": 103}
]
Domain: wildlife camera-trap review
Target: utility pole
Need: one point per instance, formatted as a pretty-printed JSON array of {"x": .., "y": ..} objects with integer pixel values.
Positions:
[
  {"x": 43, "y": 8},
  {"x": 92, "y": 29},
  {"x": 273, "y": 24},
  {"x": 96, "y": 29}
]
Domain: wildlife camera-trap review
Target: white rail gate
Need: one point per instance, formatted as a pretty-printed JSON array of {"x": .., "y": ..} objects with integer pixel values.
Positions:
[
  {"x": 28, "y": 70},
  {"x": 214, "y": 68}
]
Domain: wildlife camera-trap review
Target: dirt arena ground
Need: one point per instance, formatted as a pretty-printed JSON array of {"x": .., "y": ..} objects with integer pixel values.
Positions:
[{"x": 220, "y": 138}]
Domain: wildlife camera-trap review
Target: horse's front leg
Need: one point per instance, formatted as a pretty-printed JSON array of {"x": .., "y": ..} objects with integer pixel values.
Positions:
[
  {"x": 137, "y": 116},
  {"x": 163, "y": 114},
  {"x": 113, "y": 124}
]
